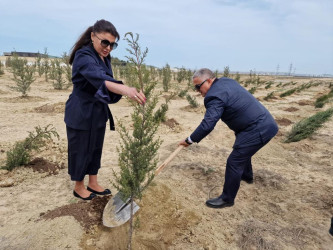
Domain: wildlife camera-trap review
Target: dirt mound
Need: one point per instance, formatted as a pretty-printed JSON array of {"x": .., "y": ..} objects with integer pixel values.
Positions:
[
  {"x": 42, "y": 165},
  {"x": 51, "y": 108},
  {"x": 304, "y": 103},
  {"x": 283, "y": 121},
  {"x": 268, "y": 178},
  {"x": 291, "y": 109},
  {"x": 265, "y": 235},
  {"x": 86, "y": 213},
  {"x": 20, "y": 99},
  {"x": 171, "y": 123}
]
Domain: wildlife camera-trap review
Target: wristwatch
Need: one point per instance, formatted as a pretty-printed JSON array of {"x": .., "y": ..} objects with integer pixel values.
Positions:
[{"x": 187, "y": 140}]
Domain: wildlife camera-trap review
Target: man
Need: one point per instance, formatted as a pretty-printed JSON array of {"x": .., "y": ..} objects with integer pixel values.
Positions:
[{"x": 252, "y": 123}]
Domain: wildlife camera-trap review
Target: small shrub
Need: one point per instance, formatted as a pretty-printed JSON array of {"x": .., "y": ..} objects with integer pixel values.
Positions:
[
  {"x": 8, "y": 62},
  {"x": 46, "y": 65},
  {"x": 1, "y": 69},
  {"x": 288, "y": 92},
  {"x": 68, "y": 69},
  {"x": 252, "y": 90},
  {"x": 39, "y": 65},
  {"x": 269, "y": 84},
  {"x": 192, "y": 101},
  {"x": 322, "y": 100},
  {"x": 226, "y": 72},
  {"x": 183, "y": 93},
  {"x": 20, "y": 154},
  {"x": 23, "y": 74},
  {"x": 269, "y": 96},
  {"x": 237, "y": 77},
  {"x": 166, "y": 73},
  {"x": 308, "y": 126},
  {"x": 56, "y": 74},
  {"x": 181, "y": 74},
  {"x": 247, "y": 82}
]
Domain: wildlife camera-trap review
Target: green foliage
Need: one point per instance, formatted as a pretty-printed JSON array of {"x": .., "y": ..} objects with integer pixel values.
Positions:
[
  {"x": 322, "y": 100},
  {"x": 297, "y": 89},
  {"x": 189, "y": 77},
  {"x": 138, "y": 150},
  {"x": 304, "y": 86},
  {"x": 8, "y": 62},
  {"x": 23, "y": 74},
  {"x": 269, "y": 84},
  {"x": 269, "y": 96},
  {"x": 67, "y": 69},
  {"x": 166, "y": 73},
  {"x": 2, "y": 71},
  {"x": 288, "y": 92},
  {"x": 237, "y": 77},
  {"x": 181, "y": 74},
  {"x": 247, "y": 82},
  {"x": 308, "y": 126},
  {"x": 192, "y": 101},
  {"x": 39, "y": 65},
  {"x": 183, "y": 93},
  {"x": 252, "y": 90},
  {"x": 46, "y": 65},
  {"x": 21, "y": 152},
  {"x": 226, "y": 72},
  {"x": 254, "y": 79},
  {"x": 160, "y": 114},
  {"x": 56, "y": 75},
  {"x": 129, "y": 74},
  {"x": 279, "y": 85},
  {"x": 153, "y": 73}
]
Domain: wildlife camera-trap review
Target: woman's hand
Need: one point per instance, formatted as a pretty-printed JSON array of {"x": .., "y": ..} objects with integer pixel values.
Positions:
[
  {"x": 133, "y": 94},
  {"x": 130, "y": 92}
]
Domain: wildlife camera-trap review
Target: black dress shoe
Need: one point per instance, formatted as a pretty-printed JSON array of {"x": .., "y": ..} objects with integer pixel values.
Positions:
[
  {"x": 218, "y": 202},
  {"x": 105, "y": 192},
  {"x": 331, "y": 229},
  {"x": 90, "y": 197},
  {"x": 248, "y": 180}
]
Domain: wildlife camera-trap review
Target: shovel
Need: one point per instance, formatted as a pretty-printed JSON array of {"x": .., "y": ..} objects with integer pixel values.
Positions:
[{"x": 117, "y": 211}]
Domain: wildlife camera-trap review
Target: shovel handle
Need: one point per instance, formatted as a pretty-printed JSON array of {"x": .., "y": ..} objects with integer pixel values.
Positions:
[{"x": 174, "y": 153}]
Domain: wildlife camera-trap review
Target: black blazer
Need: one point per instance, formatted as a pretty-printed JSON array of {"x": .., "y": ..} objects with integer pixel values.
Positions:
[
  {"x": 87, "y": 106},
  {"x": 239, "y": 110}
]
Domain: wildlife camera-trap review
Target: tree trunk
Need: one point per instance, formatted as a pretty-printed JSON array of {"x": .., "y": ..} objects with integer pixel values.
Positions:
[{"x": 129, "y": 245}]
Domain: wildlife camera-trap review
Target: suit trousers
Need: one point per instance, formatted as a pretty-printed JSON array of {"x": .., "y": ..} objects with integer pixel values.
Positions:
[
  {"x": 238, "y": 166},
  {"x": 84, "y": 152}
]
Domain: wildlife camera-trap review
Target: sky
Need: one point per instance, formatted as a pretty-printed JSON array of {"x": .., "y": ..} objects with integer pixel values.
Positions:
[{"x": 258, "y": 35}]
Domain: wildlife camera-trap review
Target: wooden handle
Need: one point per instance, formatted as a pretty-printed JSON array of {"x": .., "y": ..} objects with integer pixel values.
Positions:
[{"x": 174, "y": 153}]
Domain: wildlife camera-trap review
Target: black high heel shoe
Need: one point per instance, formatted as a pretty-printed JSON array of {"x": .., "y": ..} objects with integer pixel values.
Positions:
[
  {"x": 105, "y": 192},
  {"x": 90, "y": 197}
]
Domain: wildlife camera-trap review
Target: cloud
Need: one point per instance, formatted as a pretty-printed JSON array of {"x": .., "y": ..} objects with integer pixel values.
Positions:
[{"x": 243, "y": 34}]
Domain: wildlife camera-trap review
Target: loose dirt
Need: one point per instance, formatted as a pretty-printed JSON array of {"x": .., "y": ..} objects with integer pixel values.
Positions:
[{"x": 289, "y": 205}]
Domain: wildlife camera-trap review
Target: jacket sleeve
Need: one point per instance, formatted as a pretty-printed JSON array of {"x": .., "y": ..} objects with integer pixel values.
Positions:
[
  {"x": 93, "y": 72},
  {"x": 214, "y": 111}
]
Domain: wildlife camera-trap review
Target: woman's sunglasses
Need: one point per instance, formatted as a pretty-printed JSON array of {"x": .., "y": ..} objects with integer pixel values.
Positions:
[{"x": 105, "y": 43}]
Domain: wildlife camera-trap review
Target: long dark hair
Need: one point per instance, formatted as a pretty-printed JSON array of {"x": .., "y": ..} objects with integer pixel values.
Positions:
[{"x": 85, "y": 39}]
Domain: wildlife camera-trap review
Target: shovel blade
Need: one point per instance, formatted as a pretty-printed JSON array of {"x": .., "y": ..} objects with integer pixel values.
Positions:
[{"x": 117, "y": 212}]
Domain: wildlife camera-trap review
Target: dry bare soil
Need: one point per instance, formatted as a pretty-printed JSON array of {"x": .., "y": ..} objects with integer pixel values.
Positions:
[{"x": 289, "y": 206}]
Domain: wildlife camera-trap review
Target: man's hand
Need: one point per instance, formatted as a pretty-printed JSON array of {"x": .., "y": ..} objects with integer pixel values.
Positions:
[{"x": 187, "y": 142}]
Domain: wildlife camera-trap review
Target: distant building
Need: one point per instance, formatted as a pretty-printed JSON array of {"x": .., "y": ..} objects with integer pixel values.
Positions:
[{"x": 24, "y": 54}]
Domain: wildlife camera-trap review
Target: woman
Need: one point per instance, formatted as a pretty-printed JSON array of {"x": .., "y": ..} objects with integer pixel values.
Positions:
[{"x": 87, "y": 108}]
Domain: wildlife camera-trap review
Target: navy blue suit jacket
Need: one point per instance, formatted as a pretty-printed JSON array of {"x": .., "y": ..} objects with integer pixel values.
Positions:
[
  {"x": 239, "y": 110},
  {"x": 87, "y": 106}
]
